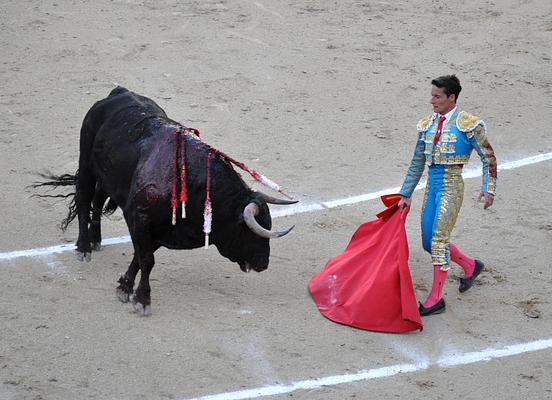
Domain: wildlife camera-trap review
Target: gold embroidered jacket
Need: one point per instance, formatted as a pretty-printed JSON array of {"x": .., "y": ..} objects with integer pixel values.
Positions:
[{"x": 463, "y": 133}]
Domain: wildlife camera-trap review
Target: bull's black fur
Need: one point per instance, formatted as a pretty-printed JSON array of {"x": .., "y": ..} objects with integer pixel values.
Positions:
[{"x": 126, "y": 146}]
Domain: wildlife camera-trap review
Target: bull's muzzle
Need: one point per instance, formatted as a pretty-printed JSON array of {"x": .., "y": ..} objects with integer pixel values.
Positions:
[{"x": 258, "y": 267}]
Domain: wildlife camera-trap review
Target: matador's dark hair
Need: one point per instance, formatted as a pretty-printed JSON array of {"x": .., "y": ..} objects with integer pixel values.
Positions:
[{"x": 450, "y": 83}]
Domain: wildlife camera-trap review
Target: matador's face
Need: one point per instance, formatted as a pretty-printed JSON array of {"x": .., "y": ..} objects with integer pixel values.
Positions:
[{"x": 441, "y": 103}]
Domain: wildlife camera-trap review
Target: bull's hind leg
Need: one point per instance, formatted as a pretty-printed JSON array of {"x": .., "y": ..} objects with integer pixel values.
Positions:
[
  {"x": 85, "y": 189},
  {"x": 95, "y": 230}
]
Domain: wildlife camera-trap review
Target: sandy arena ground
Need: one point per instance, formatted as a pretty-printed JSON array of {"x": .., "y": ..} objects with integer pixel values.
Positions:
[{"x": 323, "y": 97}]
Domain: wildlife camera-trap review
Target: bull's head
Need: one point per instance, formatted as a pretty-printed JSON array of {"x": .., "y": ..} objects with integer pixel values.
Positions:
[{"x": 250, "y": 245}]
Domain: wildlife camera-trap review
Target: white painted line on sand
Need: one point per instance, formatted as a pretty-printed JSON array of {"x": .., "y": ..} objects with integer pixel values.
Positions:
[
  {"x": 290, "y": 210},
  {"x": 62, "y": 248},
  {"x": 384, "y": 372}
]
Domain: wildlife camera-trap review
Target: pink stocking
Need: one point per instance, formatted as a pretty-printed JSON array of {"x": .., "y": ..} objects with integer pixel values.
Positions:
[
  {"x": 467, "y": 263},
  {"x": 436, "y": 293}
]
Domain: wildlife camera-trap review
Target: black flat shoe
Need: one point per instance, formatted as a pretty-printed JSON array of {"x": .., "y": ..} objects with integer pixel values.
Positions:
[
  {"x": 466, "y": 283},
  {"x": 437, "y": 308}
]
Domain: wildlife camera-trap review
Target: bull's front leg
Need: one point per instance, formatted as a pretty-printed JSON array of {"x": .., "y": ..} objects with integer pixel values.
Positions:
[
  {"x": 137, "y": 217},
  {"x": 142, "y": 298},
  {"x": 126, "y": 281}
]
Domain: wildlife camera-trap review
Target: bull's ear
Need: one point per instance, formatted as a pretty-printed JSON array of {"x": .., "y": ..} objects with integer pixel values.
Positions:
[{"x": 256, "y": 198}]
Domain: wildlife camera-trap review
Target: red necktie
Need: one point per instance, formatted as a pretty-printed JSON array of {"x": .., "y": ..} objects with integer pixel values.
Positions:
[{"x": 439, "y": 129}]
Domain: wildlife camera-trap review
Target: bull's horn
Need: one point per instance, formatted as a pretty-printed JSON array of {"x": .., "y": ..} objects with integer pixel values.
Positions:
[
  {"x": 249, "y": 213},
  {"x": 274, "y": 200}
]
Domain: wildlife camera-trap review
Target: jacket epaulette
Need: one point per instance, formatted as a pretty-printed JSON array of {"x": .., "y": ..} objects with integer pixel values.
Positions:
[
  {"x": 425, "y": 123},
  {"x": 467, "y": 122}
]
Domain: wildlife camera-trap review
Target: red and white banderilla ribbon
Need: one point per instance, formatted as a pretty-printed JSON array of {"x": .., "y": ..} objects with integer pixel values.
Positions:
[
  {"x": 183, "y": 188},
  {"x": 174, "y": 201},
  {"x": 208, "y": 212}
]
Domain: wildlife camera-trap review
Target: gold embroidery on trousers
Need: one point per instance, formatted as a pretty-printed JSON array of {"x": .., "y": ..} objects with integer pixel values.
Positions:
[{"x": 451, "y": 202}]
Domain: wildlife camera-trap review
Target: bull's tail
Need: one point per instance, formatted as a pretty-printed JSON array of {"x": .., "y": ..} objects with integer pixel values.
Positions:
[{"x": 55, "y": 181}]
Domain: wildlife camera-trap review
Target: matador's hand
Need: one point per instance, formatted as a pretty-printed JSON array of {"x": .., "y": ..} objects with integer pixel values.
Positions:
[
  {"x": 487, "y": 198},
  {"x": 404, "y": 202}
]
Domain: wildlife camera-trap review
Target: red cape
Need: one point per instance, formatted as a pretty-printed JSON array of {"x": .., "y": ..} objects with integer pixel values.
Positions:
[{"x": 368, "y": 286}]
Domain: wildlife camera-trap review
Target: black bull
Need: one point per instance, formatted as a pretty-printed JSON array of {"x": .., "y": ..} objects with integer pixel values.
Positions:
[{"x": 126, "y": 155}]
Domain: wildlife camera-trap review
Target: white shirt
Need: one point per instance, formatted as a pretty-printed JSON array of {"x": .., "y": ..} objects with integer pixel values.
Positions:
[{"x": 448, "y": 115}]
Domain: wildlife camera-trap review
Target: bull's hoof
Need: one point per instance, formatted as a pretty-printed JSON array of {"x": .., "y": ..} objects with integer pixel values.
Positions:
[
  {"x": 81, "y": 256},
  {"x": 123, "y": 295},
  {"x": 96, "y": 246},
  {"x": 125, "y": 289},
  {"x": 142, "y": 309}
]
